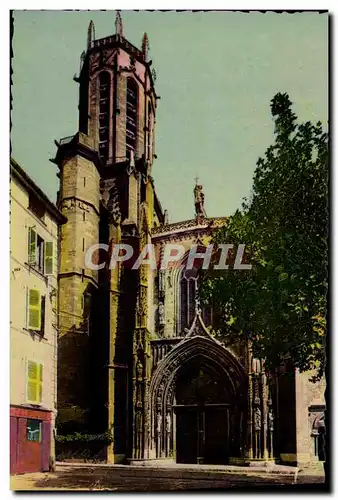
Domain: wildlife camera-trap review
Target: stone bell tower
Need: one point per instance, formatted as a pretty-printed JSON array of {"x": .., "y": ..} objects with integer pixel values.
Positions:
[
  {"x": 107, "y": 194},
  {"x": 117, "y": 97}
]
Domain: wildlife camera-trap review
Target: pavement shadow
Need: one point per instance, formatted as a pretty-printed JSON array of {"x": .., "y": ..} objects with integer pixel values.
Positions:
[{"x": 153, "y": 480}]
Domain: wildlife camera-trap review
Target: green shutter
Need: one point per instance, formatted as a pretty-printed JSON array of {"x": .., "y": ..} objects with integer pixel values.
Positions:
[
  {"x": 32, "y": 385},
  {"x": 34, "y": 381},
  {"x": 32, "y": 240},
  {"x": 34, "y": 310},
  {"x": 49, "y": 257}
]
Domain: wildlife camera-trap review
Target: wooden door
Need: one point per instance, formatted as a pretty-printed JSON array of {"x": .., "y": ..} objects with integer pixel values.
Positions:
[
  {"x": 186, "y": 435},
  {"x": 216, "y": 438}
]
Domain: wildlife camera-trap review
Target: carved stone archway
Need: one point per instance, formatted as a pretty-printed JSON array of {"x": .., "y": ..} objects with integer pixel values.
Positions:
[
  {"x": 318, "y": 435},
  {"x": 162, "y": 389}
]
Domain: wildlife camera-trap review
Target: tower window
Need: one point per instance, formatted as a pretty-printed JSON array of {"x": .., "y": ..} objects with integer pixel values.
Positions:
[
  {"x": 131, "y": 115},
  {"x": 104, "y": 113}
]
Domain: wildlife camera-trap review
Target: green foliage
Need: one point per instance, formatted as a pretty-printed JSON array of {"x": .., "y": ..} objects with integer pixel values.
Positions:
[{"x": 280, "y": 305}]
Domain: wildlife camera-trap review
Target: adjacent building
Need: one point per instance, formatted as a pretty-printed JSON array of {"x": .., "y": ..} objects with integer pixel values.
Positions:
[{"x": 35, "y": 222}]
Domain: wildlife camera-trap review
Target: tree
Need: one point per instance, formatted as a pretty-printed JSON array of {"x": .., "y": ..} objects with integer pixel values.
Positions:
[{"x": 280, "y": 305}]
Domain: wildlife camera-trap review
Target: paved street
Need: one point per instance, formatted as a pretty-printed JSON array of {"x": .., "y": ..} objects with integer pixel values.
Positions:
[{"x": 126, "y": 478}]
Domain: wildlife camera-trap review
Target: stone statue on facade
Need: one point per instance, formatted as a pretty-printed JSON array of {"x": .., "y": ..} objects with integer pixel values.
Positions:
[
  {"x": 169, "y": 279},
  {"x": 271, "y": 419},
  {"x": 161, "y": 318},
  {"x": 110, "y": 199},
  {"x": 257, "y": 419},
  {"x": 139, "y": 370},
  {"x": 168, "y": 423},
  {"x": 199, "y": 201},
  {"x": 138, "y": 431},
  {"x": 159, "y": 423},
  {"x": 161, "y": 281}
]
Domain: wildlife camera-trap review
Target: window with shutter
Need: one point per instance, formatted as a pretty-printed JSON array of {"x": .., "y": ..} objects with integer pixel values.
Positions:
[
  {"x": 34, "y": 310},
  {"x": 40, "y": 380},
  {"x": 34, "y": 381},
  {"x": 43, "y": 312},
  {"x": 49, "y": 257},
  {"x": 36, "y": 250},
  {"x": 40, "y": 252},
  {"x": 32, "y": 243}
]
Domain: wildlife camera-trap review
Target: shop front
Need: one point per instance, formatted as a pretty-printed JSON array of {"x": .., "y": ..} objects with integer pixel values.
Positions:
[{"x": 30, "y": 439}]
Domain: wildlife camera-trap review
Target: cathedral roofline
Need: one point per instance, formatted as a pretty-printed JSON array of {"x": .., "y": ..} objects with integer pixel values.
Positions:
[
  {"x": 76, "y": 144},
  {"x": 114, "y": 40}
]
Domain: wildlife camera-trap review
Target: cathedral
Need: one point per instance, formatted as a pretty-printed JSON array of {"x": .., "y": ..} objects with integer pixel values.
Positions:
[{"x": 136, "y": 352}]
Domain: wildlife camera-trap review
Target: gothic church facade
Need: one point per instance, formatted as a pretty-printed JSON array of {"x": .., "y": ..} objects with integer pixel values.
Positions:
[{"x": 136, "y": 351}]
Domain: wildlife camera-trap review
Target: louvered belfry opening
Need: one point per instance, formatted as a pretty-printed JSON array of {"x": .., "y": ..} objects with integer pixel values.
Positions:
[
  {"x": 149, "y": 132},
  {"x": 104, "y": 114},
  {"x": 131, "y": 116}
]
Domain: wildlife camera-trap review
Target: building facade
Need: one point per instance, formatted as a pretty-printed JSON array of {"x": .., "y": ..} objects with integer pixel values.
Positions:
[
  {"x": 136, "y": 351},
  {"x": 33, "y": 324}
]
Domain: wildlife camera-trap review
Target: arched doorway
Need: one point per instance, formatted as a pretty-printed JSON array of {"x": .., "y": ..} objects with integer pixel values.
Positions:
[
  {"x": 318, "y": 434},
  {"x": 198, "y": 404}
]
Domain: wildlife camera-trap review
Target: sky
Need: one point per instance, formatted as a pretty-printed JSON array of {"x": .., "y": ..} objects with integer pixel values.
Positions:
[{"x": 216, "y": 74}]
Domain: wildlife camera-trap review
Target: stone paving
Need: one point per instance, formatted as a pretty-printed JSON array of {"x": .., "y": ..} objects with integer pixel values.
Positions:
[{"x": 123, "y": 478}]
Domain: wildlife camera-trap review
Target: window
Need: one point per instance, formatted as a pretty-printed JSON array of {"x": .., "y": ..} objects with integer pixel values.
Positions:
[
  {"x": 40, "y": 253},
  {"x": 104, "y": 114},
  {"x": 36, "y": 311},
  {"x": 33, "y": 430},
  {"x": 32, "y": 237},
  {"x": 49, "y": 258},
  {"x": 189, "y": 300},
  {"x": 40, "y": 247},
  {"x": 131, "y": 115},
  {"x": 34, "y": 382}
]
